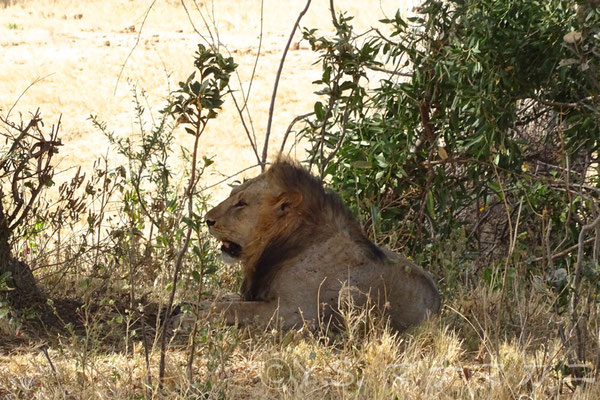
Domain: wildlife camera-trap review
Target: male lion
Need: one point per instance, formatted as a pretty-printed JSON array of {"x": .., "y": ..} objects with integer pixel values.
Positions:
[{"x": 299, "y": 246}]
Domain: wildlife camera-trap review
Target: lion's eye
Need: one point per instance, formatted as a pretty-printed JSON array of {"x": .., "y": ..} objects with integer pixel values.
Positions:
[{"x": 240, "y": 203}]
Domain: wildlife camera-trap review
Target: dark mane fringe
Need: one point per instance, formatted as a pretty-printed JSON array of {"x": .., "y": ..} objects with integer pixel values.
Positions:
[{"x": 320, "y": 214}]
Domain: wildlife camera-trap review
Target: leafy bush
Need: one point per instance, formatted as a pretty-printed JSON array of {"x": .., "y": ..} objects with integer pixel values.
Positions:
[
  {"x": 488, "y": 107},
  {"x": 473, "y": 125}
]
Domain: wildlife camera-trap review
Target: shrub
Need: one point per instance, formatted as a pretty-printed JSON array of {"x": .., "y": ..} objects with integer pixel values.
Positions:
[
  {"x": 484, "y": 118},
  {"x": 476, "y": 120}
]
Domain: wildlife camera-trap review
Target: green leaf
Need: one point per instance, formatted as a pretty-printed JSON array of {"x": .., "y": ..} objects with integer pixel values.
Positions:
[
  {"x": 347, "y": 85},
  {"x": 361, "y": 164},
  {"x": 196, "y": 276},
  {"x": 381, "y": 161},
  {"x": 326, "y": 74},
  {"x": 85, "y": 283},
  {"x": 187, "y": 221},
  {"x": 319, "y": 111},
  {"x": 430, "y": 204}
]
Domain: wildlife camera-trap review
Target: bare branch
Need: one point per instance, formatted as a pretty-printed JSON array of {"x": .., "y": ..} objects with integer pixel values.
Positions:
[
  {"x": 229, "y": 177},
  {"x": 330, "y": 104},
  {"x": 189, "y": 194},
  {"x": 137, "y": 41},
  {"x": 584, "y": 230},
  {"x": 389, "y": 71},
  {"x": 23, "y": 131},
  {"x": 577, "y": 104},
  {"x": 215, "y": 44},
  {"x": 274, "y": 95},
  {"x": 212, "y": 37},
  {"x": 342, "y": 135},
  {"x": 289, "y": 129},
  {"x": 333, "y": 17},
  {"x": 565, "y": 252},
  {"x": 24, "y": 91},
  {"x": 577, "y": 283},
  {"x": 40, "y": 151},
  {"x": 381, "y": 35},
  {"x": 260, "y": 39},
  {"x": 194, "y": 26},
  {"x": 240, "y": 112}
]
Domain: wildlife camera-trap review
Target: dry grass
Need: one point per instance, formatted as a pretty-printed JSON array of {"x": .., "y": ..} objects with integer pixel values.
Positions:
[
  {"x": 434, "y": 360},
  {"x": 471, "y": 351}
]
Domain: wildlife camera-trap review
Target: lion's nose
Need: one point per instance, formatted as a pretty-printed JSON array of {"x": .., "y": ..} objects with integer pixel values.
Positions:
[{"x": 210, "y": 222}]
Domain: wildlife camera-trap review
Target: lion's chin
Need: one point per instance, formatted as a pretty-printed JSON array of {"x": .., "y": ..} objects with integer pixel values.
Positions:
[{"x": 227, "y": 259}]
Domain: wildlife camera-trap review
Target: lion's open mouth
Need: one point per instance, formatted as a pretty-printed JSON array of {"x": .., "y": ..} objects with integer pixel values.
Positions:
[{"x": 230, "y": 248}]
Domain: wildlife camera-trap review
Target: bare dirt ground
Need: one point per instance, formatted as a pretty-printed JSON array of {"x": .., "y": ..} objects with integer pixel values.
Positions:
[{"x": 75, "y": 51}]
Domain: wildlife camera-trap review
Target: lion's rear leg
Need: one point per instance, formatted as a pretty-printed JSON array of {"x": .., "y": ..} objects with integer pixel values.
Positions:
[{"x": 263, "y": 313}]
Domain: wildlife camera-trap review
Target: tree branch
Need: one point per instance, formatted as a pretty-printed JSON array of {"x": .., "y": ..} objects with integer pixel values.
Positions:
[
  {"x": 289, "y": 129},
  {"x": 577, "y": 283},
  {"x": 274, "y": 95}
]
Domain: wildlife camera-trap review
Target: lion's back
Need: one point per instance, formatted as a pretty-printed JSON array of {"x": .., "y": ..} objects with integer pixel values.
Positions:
[{"x": 319, "y": 274}]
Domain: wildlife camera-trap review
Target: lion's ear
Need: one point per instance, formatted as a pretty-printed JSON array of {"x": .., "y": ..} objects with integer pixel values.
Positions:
[{"x": 288, "y": 200}]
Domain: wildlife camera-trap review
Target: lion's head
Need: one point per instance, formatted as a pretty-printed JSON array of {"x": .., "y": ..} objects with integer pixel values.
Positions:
[
  {"x": 233, "y": 221},
  {"x": 275, "y": 216},
  {"x": 247, "y": 217}
]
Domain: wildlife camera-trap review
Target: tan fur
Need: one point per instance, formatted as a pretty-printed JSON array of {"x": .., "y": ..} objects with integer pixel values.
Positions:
[{"x": 300, "y": 247}]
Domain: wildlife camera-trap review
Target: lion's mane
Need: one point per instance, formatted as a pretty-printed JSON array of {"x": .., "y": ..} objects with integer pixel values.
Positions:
[{"x": 312, "y": 215}]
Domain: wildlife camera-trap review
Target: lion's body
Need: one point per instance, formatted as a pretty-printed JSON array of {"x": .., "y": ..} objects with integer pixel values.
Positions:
[{"x": 299, "y": 246}]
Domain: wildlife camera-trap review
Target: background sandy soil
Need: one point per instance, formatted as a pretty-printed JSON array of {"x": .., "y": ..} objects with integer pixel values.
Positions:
[{"x": 76, "y": 49}]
